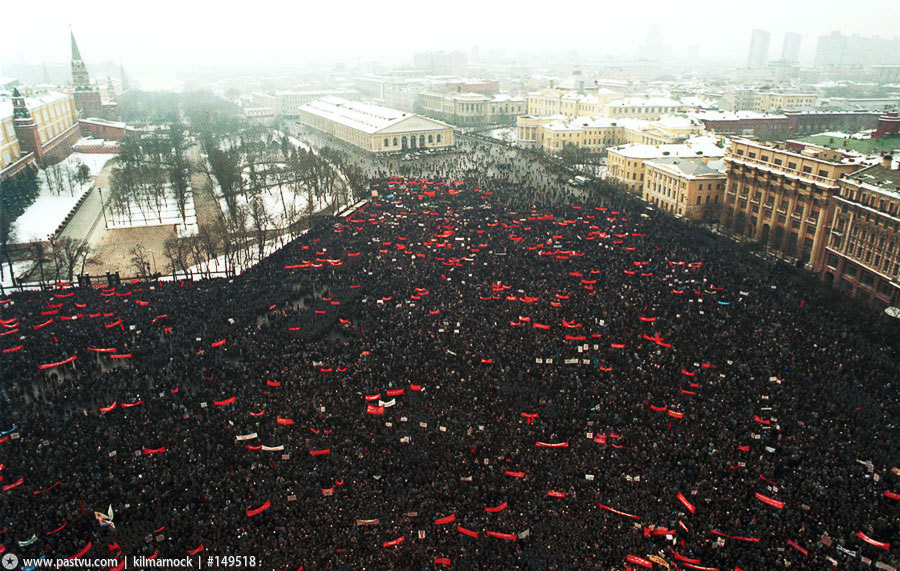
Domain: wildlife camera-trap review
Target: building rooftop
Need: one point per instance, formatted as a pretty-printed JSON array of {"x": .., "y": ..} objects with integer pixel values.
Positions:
[
  {"x": 579, "y": 123},
  {"x": 644, "y": 102},
  {"x": 734, "y": 115},
  {"x": 690, "y": 167},
  {"x": 364, "y": 117},
  {"x": 878, "y": 176},
  {"x": 699, "y": 147},
  {"x": 33, "y": 102}
]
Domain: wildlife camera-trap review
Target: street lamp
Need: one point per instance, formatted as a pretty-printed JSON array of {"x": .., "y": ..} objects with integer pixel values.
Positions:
[{"x": 103, "y": 208}]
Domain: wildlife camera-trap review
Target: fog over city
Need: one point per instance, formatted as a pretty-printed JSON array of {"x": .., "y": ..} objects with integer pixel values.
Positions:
[
  {"x": 475, "y": 285},
  {"x": 170, "y": 38}
]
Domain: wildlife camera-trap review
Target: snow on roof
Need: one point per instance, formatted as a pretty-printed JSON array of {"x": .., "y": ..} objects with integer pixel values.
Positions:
[
  {"x": 579, "y": 123},
  {"x": 644, "y": 102},
  {"x": 33, "y": 102},
  {"x": 734, "y": 115},
  {"x": 364, "y": 117},
  {"x": 697, "y": 147},
  {"x": 692, "y": 167}
]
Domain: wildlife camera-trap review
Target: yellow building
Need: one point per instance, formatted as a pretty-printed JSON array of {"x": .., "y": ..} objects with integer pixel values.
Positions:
[
  {"x": 9, "y": 143},
  {"x": 471, "y": 109},
  {"x": 783, "y": 195},
  {"x": 650, "y": 108},
  {"x": 55, "y": 121},
  {"x": 569, "y": 103},
  {"x": 689, "y": 187},
  {"x": 373, "y": 127},
  {"x": 862, "y": 257},
  {"x": 597, "y": 133},
  {"x": 625, "y": 163},
  {"x": 773, "y": 101}
]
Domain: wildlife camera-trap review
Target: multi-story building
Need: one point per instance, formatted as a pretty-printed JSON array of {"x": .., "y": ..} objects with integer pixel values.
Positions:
[
  {"x": 373, "y": 127},
  {"x": 862, "y": 257},
  {"x": 287, "y": 103},
  {"x": 571, "y": 103},
  {"x": 625, "y": 164},
  {"x": 759, "y": 49},
  {"x": 34, "y": 128},
  {"x": 780, "y": 126},
  {"x": 595, "y": 134},
  {"x": 783, "y": 198},
  {"x": 689, "y": 187},
  {"x": 778, "y": 100},
  {"x": 650, "y": 108},
  {"x": 790, "y": 49},
  {"x": 470, "y": 109}
]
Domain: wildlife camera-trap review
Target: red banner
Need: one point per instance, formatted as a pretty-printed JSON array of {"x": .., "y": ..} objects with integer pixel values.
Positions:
[
  {"x": 58, "y": 363},
  {"x": 394, "y": 542},
  {"x": 259, "y": 510},
  {"x": 465, "y": 531},
  {"x": 224, "y": 402},
  {"x": 498, "y": 535},
  {"x": 690, "y": 507},
  {"x": 615, "y": 511},
  {"x": 497, "y": 508},
  {"x": 639, "y": 561},
  {"x": 771, "y": 501},
  {"x": 870, "y": 541},
  {"x": 445, "y": 520}
]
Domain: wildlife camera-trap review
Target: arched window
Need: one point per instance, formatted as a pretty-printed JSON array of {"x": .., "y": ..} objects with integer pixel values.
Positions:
[
  {"x": 387, "y": 142},
  {"x": 438, "y": 137},
  {"x": 395, "y": 141},
  {"x": 421, "y": 140},
  {"x": 430, "y": 138}
]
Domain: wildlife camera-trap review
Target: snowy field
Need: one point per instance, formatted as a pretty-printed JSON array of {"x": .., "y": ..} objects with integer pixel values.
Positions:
[
  {"x": 19, "y": 268},
  {"x": 139, "y": 215},
  {"x": 507, "y": 134},
  {"x": 48, "y": 211}
]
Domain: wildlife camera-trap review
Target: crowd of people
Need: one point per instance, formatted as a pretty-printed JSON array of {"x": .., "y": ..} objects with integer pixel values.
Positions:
[{"x": 444, "y": 378}]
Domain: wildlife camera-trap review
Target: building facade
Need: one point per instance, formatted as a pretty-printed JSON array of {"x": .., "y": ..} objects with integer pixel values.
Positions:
[
  {"x": 471, "y": 109},
  {"x": 690, "y": 187},
  {"x": 862, "y": 257},
  {"x": 759, "y": 49},
  {"x": 649, "y": 108},
  {"x": 38, "y": 127},
  {"x": 375, "y": 128},
  {"x": 625, "y": 164},
  {"x": 781, "y": 198},
  {"x": 87, "y": 98}
]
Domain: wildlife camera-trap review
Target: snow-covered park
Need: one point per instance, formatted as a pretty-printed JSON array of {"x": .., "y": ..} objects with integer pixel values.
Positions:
[
  {"x": 53, "y": 204},
  {"x": 166, "y": 213}
]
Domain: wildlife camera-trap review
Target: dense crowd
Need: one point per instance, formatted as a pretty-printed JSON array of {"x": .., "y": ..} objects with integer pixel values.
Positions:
[{"x": 436, "y": 379}]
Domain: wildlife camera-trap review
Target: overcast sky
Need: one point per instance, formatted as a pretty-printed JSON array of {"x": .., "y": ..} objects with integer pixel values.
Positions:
[{"x": 173, "y": 33}]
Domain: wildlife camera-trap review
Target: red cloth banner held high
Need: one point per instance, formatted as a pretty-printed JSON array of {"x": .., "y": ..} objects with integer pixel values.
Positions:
[
  {"x": 688, "y": 505},
  {"x": 259, "y": 510}
]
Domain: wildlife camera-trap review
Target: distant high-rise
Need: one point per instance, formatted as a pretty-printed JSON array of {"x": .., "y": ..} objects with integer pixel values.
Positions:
[
  {"x": 790, "y": 49},
  {"x": 442, "y": 63},
  {"x": 837, "y": 49},
  {"x": 759, "y": 49}
]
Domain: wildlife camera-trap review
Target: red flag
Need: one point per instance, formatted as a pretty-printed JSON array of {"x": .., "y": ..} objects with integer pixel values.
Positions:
[
  {"x": 442, "y": 561},
  {"x": 514, "y": 474},
  {"x": 218, "y": 343},
  {"x": 224, "y": 402},
  {"x": 394, "y": 542},
  {"x": 320, "y": 452},
  {"x": 554, "y": 494},
  {"x": 149, "y": 451},
  {"x": 284, "y": 421},
  {"x": 444, "y": 520}
]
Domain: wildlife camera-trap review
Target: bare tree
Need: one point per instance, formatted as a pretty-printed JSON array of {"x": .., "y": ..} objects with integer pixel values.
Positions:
[
  {"x": 139, "y": 261},
  {"x": 68, "y": 254},
  {"x": 38, "y": 255}
]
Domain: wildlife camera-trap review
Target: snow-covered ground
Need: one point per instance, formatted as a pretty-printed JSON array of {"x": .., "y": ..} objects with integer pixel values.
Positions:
[
  {"x": 19, "y": 268},
  {"x": 48, "y": 211},
  {"x": 139, "y": 215},
  {"x": 507, "y": 134}
]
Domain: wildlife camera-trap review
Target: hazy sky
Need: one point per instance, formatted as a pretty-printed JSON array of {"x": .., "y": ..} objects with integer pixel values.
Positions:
[{"x": 168, "y": 33}]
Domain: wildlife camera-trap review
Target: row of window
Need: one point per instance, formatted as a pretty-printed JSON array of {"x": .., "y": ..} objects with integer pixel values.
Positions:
[{"x": 403, "y": 141}]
